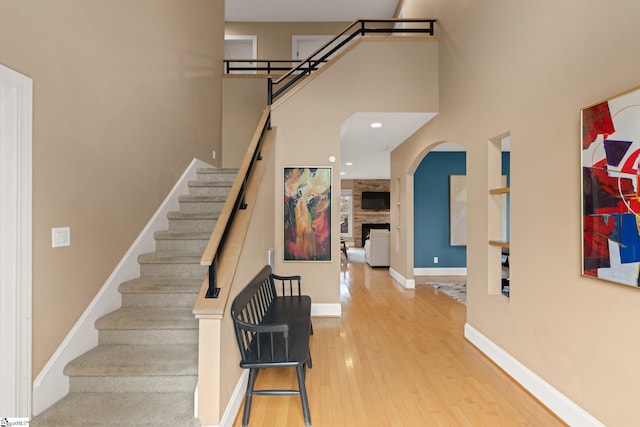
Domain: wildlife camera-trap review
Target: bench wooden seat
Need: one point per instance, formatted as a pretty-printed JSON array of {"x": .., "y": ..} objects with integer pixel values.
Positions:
[{"x": 272, "y": 331}]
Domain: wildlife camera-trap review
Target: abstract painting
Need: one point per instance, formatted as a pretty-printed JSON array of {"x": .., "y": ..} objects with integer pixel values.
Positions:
[
  {"x": 610, "y": 197},
  {"x": 307, "y": 213}
]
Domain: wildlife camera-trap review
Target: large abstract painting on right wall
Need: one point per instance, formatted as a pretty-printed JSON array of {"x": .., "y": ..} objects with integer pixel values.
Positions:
[{"x": 610, "y": 196}]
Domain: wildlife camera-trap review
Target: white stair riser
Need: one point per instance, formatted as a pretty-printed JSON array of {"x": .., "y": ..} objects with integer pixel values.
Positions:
[
  {"x": 149, "y": 337},
  {"x": 148, "y": 384}
]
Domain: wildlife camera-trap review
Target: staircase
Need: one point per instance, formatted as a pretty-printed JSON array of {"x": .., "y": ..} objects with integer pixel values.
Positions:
[{"x": 144, "y": 369}]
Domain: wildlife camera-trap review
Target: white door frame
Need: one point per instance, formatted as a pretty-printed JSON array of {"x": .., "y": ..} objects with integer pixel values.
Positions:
[
  {"x": 15, "y": 243},
  {"x": 253, "y": 39},
  {"x": 298, "y": 40}
]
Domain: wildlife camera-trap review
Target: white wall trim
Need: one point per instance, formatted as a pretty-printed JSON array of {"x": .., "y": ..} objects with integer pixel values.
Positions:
[
  {"x": 406, "y": 283},
  {"x": 51, "y": 384},
  {"x": 16, "y": 109},
  {"x": 235, "y": 403},
  {"x": 326, "y": 310},
  {"x": 557, "y": 402},
  {"x": 447, "y": 271}
]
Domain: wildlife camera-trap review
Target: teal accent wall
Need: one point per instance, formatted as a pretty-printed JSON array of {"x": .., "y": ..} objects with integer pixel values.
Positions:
[{"x": 431, "y": 209}]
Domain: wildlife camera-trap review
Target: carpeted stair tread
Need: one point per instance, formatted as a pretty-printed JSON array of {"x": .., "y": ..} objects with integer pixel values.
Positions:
[
  {"x": 181, "y": 235},
  {"x": 120, "y": 409},
  {"x": 192, "y": 215},
  {"x": 217, "y": 170},
  {"x": 131, "y": 318},
  {"x": 136, "y": 360},
  {"x": 210, "y": 184},
  {"x": 202, "y": 199},
  {"x": 161, "y": 285},
  {"x": 170, "y": 257}
]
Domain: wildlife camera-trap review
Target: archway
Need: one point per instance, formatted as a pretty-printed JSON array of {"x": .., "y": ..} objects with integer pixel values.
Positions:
[{"x": 440, "y": 213}]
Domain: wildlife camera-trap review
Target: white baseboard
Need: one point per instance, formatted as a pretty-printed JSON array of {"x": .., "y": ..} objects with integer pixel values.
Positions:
[
  {"x": 51, "y": 384},
  {"x": 447, "y": 271},
  {"x": 229, "y": 415},
  {"x": 326, "y": 310},
  {"x": 557, "y": 402},
  {"x": 406, "y": 283}
]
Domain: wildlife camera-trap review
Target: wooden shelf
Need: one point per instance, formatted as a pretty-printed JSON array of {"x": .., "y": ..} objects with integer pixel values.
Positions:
[
  {"x": 503, "y": 190},
  {"x": 500, "y": 243}
]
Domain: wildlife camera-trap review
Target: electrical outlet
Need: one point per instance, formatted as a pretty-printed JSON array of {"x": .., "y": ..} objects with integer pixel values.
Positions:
[
  {"x": 435, "y": 259},
  {"x": 214, "y": 154}
]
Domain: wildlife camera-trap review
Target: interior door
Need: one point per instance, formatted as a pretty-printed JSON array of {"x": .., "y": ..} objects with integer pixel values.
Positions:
[
  {"x": 241, "y": 47},
  {"x": 304, "y": 46}
]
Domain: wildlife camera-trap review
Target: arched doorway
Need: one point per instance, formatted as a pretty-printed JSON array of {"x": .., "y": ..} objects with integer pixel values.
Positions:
[{"x": 440, "y": 215}]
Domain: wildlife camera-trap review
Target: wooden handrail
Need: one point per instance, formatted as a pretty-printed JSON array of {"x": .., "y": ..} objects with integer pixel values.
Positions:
[{"x": 235, "y": 200}]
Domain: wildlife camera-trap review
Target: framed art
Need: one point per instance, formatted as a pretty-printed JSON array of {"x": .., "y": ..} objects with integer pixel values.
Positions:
[
  {"x": 610, "y": 202},
  {"x": 307, "y": 213}
]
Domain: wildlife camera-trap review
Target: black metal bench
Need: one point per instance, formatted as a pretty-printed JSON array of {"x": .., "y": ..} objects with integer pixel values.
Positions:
[{"x": 273, "y": 332}]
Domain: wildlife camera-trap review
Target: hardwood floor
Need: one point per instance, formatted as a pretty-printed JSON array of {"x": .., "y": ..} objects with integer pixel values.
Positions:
[{"x": 397, "y": 357}]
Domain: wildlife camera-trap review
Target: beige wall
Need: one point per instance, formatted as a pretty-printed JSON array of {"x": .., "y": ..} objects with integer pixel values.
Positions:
[
  {"x": 125, "y": 95},
  {"x": 274, "y": 38},
  {"x": 244, "y": 98},
  {"x": 308, "y": 132},
  {"x": 528, "y": 69}
]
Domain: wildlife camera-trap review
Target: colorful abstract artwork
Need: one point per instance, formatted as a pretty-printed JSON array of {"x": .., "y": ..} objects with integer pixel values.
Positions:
[
  {"x": 610, "y": 197},
  {"x": 307, "y": 214}
]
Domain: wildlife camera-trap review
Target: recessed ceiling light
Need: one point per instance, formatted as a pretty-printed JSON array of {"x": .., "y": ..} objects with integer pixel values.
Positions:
[
  {"x": 349, "y": 164},
  {"x": 376, "y": 125}
]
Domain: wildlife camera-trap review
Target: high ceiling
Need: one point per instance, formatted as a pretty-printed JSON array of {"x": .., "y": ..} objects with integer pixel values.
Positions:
[{"x": 307, "y": 10}]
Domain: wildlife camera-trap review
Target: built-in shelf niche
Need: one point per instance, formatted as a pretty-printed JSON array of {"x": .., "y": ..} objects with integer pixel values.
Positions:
[{"x": 499, "y": 195}]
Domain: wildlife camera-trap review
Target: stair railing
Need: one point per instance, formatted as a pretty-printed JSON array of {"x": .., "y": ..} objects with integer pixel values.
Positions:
[
  {"x": 235, "y": 202},
  {"x": 360, "y": 27}
]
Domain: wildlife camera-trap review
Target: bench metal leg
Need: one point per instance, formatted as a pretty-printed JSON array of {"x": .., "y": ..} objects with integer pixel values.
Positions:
[
  {"x": 253, "y": 373},
  {"x": 300, "y": 371}
]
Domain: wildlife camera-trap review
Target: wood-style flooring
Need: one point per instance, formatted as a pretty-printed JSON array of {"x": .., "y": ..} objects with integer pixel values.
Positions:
[{"x": 397, "y": 357}]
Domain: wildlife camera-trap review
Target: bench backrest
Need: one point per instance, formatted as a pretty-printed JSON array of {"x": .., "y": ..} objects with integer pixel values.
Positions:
[{"x": 249, "y": 308}]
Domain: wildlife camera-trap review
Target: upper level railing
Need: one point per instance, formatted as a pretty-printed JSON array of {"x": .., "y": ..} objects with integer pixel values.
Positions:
[
  {"x": 361, "y": 27},
  {"x": 260, "y": 66}
]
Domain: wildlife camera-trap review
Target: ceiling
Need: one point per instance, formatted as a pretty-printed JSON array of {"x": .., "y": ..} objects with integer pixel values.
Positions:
[
  {"x": 307, "y": 10},
  {"x": 368, "y": 149}
]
